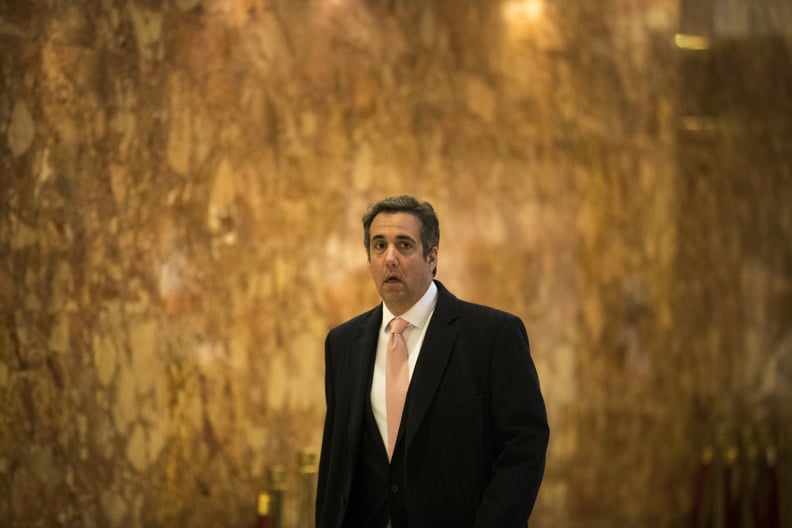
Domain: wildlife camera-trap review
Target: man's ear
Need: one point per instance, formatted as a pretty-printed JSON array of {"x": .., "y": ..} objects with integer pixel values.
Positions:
[{"x": 432, "y": 257}]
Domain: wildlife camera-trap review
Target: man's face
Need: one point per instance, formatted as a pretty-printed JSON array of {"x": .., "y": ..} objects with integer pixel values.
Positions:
[{"x": 400, "y": 271}]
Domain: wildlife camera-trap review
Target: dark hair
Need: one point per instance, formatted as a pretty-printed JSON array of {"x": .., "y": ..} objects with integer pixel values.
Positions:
[{"x": 423, "y": 211}]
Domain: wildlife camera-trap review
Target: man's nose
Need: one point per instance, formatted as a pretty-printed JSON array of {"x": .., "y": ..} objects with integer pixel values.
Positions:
[{"x": 390, "y": 255}]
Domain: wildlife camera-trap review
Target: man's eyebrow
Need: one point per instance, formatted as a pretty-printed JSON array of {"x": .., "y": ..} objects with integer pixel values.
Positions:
[{"x": 399, "y": 238}]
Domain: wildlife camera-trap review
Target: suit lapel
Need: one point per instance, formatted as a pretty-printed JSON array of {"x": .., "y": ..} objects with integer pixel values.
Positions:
[
  {"x": 435, "y": 353},
  {"x": 362, "y": 350}
]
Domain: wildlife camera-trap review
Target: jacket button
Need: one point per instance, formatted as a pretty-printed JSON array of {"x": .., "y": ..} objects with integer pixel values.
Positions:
[{"x": 394, "y": 488}]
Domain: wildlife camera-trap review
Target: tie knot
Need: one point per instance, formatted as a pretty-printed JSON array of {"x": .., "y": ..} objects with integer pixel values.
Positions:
[{"x": 398, "y": 325}]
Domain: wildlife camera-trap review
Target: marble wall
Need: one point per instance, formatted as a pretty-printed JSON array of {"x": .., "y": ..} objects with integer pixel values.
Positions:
[{"x": 181, "y": 185}]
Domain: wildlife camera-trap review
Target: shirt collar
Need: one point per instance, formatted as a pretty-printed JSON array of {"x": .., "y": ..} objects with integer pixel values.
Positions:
[{"x": 419, "y": 313}]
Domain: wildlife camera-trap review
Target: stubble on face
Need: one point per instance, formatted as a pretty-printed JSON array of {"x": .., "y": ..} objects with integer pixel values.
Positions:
[{"x": 397, "y": 264}]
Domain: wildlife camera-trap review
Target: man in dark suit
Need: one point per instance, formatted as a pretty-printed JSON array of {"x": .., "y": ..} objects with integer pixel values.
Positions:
[{"x": 467, "y": 448}]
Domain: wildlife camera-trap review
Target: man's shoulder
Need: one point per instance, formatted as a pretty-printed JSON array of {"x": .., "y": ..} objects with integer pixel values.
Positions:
[
  {"x": 356, "y": 323},
  {"x": 469, "y": 308},
  {"x": 483, "y": 311}
]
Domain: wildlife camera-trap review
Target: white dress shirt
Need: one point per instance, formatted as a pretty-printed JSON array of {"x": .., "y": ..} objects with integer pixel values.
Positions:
[{"x": 418, "y": 316}]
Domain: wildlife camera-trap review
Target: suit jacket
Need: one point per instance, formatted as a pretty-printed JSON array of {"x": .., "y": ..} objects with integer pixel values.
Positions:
[{"x": 474, "y": 430}]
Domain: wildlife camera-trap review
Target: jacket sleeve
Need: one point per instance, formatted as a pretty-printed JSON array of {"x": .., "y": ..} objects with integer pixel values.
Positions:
[
  {"x": 520, "y": 431},
  {"x": 327, "y": 440}
]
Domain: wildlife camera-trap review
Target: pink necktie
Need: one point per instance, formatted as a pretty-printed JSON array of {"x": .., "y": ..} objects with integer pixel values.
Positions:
[{"x": 397, "y": 379}]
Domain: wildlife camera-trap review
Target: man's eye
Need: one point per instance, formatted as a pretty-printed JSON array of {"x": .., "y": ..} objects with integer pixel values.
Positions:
[
  {"x": 406, "y": 245},
  {"x": 379, "y": 245}
]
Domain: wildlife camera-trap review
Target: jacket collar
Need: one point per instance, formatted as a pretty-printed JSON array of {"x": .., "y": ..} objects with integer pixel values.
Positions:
[{"x": 436, "y": 351}]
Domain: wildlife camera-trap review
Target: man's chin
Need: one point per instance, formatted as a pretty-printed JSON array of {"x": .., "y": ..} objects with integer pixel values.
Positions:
[{"x": 391, "y": 291}]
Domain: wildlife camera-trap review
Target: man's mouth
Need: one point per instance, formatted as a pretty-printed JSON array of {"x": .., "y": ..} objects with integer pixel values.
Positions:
[{"x": 392, "y": 280}]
